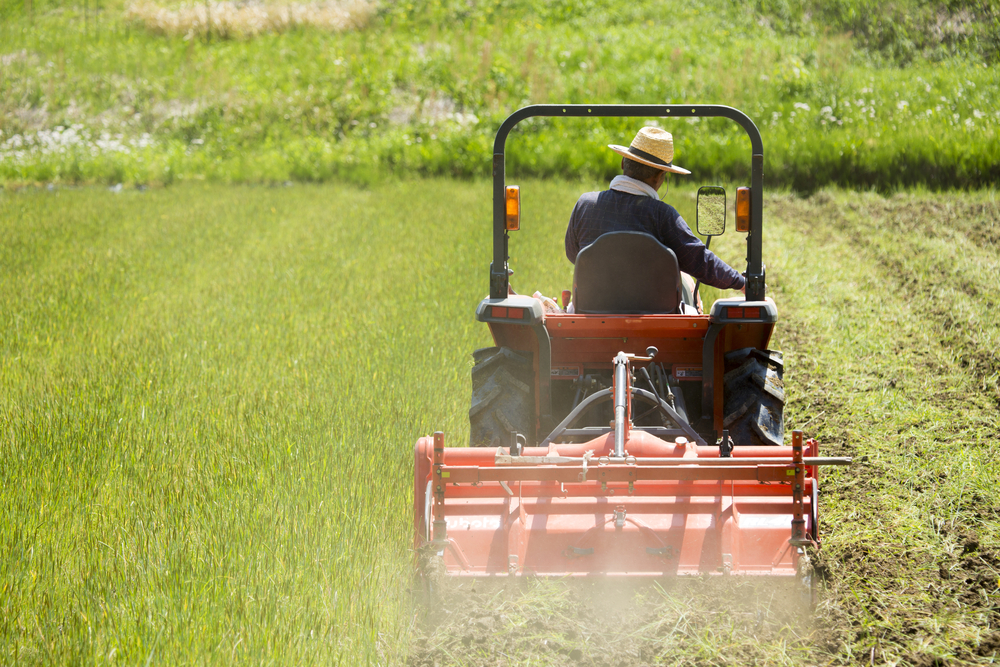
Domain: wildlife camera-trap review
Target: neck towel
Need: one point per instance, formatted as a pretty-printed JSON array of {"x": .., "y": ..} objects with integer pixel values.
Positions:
[{"x": 633, "y": 186}]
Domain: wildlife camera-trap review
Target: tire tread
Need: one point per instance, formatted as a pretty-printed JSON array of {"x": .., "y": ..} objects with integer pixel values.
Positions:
[
  {"x": 754, "y": 397},
  {"x": 502, "y": 396}
]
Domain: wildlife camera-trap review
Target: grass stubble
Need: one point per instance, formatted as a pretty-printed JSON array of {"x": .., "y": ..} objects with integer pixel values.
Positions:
[
  {"x": 891, "y": 324},
  {"x": 209, "y": 397}
]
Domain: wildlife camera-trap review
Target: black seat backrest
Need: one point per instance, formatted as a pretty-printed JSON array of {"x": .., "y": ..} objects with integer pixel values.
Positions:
[{"x": 626, "y": 272}]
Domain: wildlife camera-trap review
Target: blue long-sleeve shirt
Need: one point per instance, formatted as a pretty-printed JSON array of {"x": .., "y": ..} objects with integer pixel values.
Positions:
[{"x": 598, "y": 213}]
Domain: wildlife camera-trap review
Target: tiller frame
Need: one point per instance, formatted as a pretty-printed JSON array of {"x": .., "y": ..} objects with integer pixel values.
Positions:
[{"x": 624, "y": 503}]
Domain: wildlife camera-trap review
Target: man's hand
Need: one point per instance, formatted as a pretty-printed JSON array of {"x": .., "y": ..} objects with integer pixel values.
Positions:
[{"x": 744, "y": 289}]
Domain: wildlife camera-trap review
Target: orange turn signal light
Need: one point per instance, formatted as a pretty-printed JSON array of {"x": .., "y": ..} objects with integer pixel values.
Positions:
[
  {"x": 513, "y": 208},
  {"x": 743, "y": 209}
]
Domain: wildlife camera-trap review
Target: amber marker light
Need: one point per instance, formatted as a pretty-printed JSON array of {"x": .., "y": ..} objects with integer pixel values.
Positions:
[
  {"x": 513, "y": 208},
  {"x": 742, "y": 209}
]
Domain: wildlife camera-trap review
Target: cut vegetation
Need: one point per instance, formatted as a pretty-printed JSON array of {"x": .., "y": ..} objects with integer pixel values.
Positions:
[{"x": 229, "y": 20}]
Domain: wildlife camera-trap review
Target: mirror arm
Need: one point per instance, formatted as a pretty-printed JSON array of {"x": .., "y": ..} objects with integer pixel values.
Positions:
[{"x": 697, "y": 284}]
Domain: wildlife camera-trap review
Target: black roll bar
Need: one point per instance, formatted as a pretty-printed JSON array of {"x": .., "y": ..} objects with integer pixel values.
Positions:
[{"x": 755, "y": 267}]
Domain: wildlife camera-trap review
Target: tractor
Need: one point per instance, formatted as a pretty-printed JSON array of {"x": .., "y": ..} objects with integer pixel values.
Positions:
[{"x": 633, "y": 435}]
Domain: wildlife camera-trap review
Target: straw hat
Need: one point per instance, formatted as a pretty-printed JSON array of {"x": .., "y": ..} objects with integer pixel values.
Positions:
[{"x": 654, "y": 147}]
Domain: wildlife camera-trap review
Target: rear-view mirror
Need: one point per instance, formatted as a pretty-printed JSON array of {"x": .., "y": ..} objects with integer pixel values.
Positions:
[{"x": 711, "y": 220}]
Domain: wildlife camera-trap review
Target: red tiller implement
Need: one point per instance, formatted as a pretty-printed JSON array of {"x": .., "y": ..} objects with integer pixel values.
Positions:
[
  {"x": 567, "y": 475},
  {"x": 625, "y": 503}
]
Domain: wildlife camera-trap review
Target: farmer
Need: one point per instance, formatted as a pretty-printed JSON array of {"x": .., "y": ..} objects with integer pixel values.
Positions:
[{"x": 632, "y": 204}]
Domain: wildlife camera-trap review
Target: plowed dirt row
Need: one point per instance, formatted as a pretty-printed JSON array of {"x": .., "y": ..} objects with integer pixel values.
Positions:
[
  {"x": 894, "y": 366},
  {"x": 889, "y": 328}
]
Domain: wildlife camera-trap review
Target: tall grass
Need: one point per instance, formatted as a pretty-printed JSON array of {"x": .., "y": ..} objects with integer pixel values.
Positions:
[
  {"x": 209, "y": 403},
  {"x": 424, "y": 86}
]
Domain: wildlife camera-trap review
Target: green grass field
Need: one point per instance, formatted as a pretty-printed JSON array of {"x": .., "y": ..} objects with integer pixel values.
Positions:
[
  {"x": 209, "y": 397},
  {"x": 212, "y": 379},
  {"x": 852, "y": 92}
]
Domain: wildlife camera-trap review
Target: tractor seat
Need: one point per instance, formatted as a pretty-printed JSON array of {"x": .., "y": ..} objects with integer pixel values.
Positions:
[{"x": 626, "y": 273}]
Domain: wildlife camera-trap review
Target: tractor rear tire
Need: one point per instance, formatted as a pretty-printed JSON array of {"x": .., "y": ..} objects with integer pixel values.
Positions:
[
  {"x": 754, "y": 406},
  {"x": 503, "y": 397}
]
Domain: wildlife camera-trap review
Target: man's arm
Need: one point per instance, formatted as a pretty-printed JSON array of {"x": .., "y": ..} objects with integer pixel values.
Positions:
[{"x": 694, "y": 258}]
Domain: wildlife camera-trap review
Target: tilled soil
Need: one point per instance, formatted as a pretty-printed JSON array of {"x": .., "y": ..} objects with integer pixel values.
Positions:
[
  {"x": 890, "y": 334},
  {"x": 559, "y": 622},
  {"x": 908, "y": 385}
]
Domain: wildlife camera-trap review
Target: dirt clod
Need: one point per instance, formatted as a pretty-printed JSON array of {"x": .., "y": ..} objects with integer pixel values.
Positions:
[
  {"x": 927, "y": 660},
  {"x": 990, "y": 645}
]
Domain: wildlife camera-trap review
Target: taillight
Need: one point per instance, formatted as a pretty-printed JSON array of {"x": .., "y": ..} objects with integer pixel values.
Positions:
[
  {"x": 507, "y": 313},
  {"x": 752, "y": 313}
]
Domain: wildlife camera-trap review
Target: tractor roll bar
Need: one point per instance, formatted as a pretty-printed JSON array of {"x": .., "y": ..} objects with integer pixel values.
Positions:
[{"x": 755, "y": 267}]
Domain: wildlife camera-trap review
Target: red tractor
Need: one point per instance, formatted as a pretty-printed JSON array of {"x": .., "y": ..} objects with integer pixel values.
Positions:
[{"x": 626, "y": 437}]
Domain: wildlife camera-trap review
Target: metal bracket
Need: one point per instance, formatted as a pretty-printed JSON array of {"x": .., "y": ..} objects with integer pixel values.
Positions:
[
  {"x": 582, "y": 477},
  {"x": 755, "y": 285},
  {"x": 498, "y": 283},
  {"x": 619, "y": 517},
  {"x": 517, "y": 443},
  {"x": 725, "y": 445}
]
